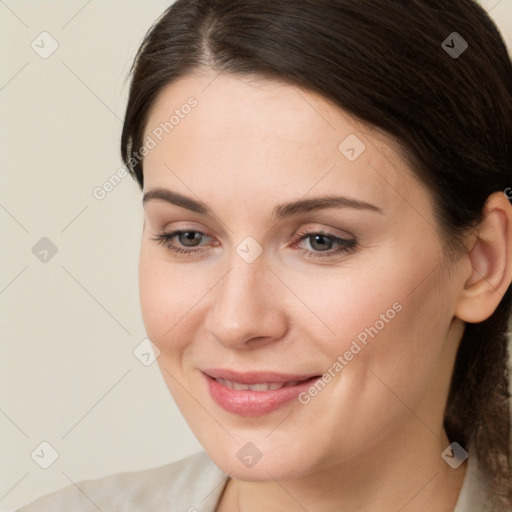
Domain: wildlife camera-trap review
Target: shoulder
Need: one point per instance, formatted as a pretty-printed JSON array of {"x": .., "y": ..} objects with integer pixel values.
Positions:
[{"x": 194, "y": 484}]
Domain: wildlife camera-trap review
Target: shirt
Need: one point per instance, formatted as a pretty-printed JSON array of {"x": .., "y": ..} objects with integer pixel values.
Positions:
[{"x": 194, "y": 484}]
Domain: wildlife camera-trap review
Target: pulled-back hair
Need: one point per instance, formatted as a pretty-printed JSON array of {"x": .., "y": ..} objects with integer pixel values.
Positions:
[{"x": 387, "y": 63}]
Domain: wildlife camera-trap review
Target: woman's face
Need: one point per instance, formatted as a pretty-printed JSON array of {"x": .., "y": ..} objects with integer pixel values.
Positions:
[{"x": 309, "y": 253}]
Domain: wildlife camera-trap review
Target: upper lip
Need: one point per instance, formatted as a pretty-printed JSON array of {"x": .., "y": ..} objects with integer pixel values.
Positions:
[{"x": 256, "y": 377}]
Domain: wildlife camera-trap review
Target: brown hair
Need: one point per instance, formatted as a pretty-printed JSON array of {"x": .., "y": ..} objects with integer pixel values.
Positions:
[{"x": 384, "y": 62}]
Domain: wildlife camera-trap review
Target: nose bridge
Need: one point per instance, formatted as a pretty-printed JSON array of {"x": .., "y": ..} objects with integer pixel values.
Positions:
[
  {"x": 240, "y": 284},
  {"x": 244, "y": 308}
]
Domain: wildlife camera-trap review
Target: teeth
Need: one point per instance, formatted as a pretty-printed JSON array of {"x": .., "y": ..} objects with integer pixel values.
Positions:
[{"x": 264, "y": 386}]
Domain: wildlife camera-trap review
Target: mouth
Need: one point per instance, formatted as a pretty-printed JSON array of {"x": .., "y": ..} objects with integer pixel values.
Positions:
[
  {"x": 262, "y": 386},
  {"x": 255, "y": 393}
]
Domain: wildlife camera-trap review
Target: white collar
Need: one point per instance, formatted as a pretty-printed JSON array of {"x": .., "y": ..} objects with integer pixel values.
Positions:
[{"x": 474, "y": 496}]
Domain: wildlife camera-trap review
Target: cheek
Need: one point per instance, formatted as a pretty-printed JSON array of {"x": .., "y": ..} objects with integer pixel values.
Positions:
[
  {"x": 401, "y": 330},
  {"x": 340, "y": 304},
  {"x": 168, "y": 296},
  {"x": 391, "y": 344},
  {"x": 392, "y": 318}
]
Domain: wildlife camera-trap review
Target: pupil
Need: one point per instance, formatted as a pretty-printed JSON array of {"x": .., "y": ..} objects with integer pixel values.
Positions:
[
  {"x": 321, "y": 241},
  {"x": 189, "y": 238}
]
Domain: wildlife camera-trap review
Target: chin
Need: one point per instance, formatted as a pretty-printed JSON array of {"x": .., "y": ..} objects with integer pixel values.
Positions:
[{"x": 273, "y": 464}]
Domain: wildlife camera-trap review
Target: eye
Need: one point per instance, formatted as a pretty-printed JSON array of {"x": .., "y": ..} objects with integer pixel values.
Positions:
[
  {"x": 189, "y": 238},
  {"x": 182, "y": 242},
  {"x": 318, "y": 243},
  {"x": 323, "y": 244}
]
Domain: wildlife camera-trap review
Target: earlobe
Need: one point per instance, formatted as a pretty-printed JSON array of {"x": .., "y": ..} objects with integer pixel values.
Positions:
[{"x": 491, "y": 262}]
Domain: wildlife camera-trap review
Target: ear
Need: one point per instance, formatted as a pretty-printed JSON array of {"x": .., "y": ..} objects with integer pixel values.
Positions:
[{"x": 490, "y": 262}]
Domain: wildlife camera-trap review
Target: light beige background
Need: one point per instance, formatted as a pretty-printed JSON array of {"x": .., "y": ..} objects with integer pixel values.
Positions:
[{"x": 68, "y": 375}]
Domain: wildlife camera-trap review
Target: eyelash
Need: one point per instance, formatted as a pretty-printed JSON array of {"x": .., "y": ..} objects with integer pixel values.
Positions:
[{"x": 345, "y": 245}]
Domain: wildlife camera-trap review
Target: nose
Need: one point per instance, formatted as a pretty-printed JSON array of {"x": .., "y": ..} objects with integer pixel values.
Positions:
[{"x": 246, "y": 310}]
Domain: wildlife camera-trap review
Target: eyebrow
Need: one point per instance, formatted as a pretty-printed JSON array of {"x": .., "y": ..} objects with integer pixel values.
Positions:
[{"x": 280, "y": 211}]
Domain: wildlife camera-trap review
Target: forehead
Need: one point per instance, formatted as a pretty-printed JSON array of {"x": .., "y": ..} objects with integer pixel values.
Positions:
[{"x": 247, "y": 137}]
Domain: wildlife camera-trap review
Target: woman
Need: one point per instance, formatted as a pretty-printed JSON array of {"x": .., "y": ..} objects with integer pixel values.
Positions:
[{"x": 326, "y": 263}]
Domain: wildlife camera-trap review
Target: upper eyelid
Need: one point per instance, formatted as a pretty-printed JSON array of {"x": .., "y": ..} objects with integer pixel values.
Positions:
[
  {"x": 187, "y": 228},
  {"x": 319, "y": 227},
  {"x": 157, "y": 215}
]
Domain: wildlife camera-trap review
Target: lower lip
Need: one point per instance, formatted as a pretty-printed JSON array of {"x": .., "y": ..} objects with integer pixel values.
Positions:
[{"x": 254, "y": 403}]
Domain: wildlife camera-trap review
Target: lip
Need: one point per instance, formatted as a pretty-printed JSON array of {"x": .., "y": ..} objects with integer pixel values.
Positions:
[{"x": 255, "y": 403}]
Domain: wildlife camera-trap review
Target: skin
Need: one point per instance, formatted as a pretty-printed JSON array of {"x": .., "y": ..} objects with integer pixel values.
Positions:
[{"x": 373, "y": 438}]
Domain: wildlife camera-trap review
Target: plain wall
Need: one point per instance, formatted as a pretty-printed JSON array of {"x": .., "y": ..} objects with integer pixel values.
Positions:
[{"x": 68, "y": 375}]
